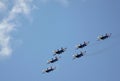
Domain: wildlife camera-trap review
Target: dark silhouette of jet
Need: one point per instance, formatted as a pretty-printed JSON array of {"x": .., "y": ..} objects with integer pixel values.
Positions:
[
  {"x": 53, "y": 60},
  {"x": 103, "y": 37},
  {"x": 59, "y": 51},
  {"x": 78, "y": 55},
  {"x": 49, "y": 69},
  {"x": 82, "y": 45}
]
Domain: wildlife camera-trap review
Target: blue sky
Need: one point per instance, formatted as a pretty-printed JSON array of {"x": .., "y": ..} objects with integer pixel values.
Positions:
[{"x": 31, "y": 29}]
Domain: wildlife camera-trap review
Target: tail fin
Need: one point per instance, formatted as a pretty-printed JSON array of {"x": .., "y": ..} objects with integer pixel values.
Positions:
[
  {"x": 54, "y": 68},
  {"x": 88, "y": 42},
  {"x": 110, "y": 34}
]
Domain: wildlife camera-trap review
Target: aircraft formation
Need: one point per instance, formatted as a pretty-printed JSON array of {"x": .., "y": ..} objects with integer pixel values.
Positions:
[{"x": 75, "y": 56}]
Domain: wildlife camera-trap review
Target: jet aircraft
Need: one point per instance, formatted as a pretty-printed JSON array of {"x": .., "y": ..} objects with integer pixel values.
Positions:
[
  {"x": 53, "y": 60},
  {"x": 103, "y": 37},
  {"x": 49, "y": 69},
  {"x": 59, "y": 51},
  {"x": 82, "y": 45},
  {"x": 78, "y": 55}
]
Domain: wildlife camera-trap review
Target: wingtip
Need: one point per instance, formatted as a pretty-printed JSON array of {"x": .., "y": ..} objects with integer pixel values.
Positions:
[
  {"x": 54, "y": 54},
  {"x": 48, "y": 62},
  {"x": 73, "y": 58},
  {"x": 84, "y": 51}
]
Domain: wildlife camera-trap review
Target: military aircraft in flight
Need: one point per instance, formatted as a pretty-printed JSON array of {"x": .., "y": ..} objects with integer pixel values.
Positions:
[
  {"x": 49, "y": 69},
  {"x": 53, "y": 60},
  {"x": 59, "y": 51},
  {"x": 82, "y": 45},
  {"x": 103, "y": 37},
  {"x": 78, "y": 55}
]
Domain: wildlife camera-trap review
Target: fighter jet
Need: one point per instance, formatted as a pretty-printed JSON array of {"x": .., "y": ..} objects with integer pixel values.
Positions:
[
  {"x": 53, "y": 60},
  {"x": 49, "y": 69},
  {"x": 103, "y": 37},
  {"x": 59, "y": 51},
  {"x": 78, "y": 55},
  {"x": 82, "y": 45}
]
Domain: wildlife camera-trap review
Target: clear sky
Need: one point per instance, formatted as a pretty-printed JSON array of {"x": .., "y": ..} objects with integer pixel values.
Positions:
[{"x": 31, "y": 29}]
